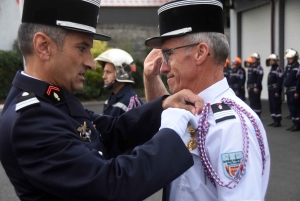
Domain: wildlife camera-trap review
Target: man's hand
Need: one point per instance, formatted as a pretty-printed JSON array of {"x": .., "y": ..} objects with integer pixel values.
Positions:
[
  {"x": 296, "y": 95},
  {"x": 153, "y": 63},
  {"x": 177, "y": 120},
  {"x": 184, "y": 99},
  {"x": 276, "y": 94},
  {"x": 154, "y": 87},
  {"x": 255, "y": 90}
]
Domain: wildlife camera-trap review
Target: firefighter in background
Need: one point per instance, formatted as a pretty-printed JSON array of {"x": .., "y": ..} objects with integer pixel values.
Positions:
[
  {"x": 291, "y": 77},
  {"x": 275, "y": 81},
  {"x": 227, "y": 69},
  {"x": 254, "y": 83},
  {"x": 118, "y": 67},
  {"x": 248, "y": 62},
  {"x": 237, "y": 78}
]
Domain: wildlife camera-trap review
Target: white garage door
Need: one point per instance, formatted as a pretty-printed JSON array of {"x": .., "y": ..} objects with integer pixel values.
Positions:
[
  {"x": 256, "y": 32},
  {"x": 292, "y": 25}
]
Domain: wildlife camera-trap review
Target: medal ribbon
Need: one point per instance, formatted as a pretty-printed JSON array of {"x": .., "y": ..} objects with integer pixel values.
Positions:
[{"x": 203, "y": 127}]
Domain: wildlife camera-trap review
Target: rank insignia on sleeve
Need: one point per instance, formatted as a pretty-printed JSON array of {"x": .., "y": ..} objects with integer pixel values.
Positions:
[
  {"x": 54, "y": 94},
  {"x": 26, "y": 100},
  {"x": 85, "y": 132},
  {"x": 222, "y": 112},
  {"x": 231, "y": 164}
]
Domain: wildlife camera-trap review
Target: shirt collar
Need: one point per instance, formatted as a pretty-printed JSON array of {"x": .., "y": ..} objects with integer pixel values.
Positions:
[{"x": 208, "y": 94}]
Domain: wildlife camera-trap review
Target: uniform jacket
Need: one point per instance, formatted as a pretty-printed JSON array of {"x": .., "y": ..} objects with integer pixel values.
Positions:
[
  {"x": 237, "y": 78},
  {"x": 275, "y": 79},
  {"x": 53, "y": 149},
  {"x": 290, "y": 75},
  {"x": 255, "y": 76},
  {"x": 226, "y": 72},
  {"x": 224, "y": 145},
  {"x": 117, "y": 103}
]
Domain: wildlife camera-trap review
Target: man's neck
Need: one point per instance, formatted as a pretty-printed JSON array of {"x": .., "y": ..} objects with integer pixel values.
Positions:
[{"x": 118, "y": 86}]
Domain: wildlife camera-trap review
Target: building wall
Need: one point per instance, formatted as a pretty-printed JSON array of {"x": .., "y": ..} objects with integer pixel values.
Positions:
[{"x": 10, "y": 19}]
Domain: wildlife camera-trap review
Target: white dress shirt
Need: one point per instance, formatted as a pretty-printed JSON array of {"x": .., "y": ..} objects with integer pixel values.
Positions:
[{"x": 222, "y": 140}]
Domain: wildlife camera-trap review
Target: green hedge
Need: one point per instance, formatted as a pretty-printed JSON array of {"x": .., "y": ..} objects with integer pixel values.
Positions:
[{"x": 10, "y": 63}]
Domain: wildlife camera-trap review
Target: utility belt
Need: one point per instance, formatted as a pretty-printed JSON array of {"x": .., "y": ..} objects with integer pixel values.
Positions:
[
  {"x": 252, "y": 85},
  {"x": 272, "y": 86},
  {"x": 291, "y": 88}
]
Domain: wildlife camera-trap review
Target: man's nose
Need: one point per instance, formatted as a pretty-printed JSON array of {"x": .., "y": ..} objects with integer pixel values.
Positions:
[{"x": 164, "y": 68}]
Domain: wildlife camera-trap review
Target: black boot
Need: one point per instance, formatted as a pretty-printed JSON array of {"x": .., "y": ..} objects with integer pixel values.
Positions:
[
  {"x": 271, "y": 124},
  {"x": 296, "y": 128},
  {"x": 288, "y": 129},
  {"x": 277, "y": 124}
]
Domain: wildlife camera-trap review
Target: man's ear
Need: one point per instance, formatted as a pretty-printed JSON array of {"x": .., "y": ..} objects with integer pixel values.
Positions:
[
  {"x": 41, "y": 45},
  {"x": 202, "y": 53}
]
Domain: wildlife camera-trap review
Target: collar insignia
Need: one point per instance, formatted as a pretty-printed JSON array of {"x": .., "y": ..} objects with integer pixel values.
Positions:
[
  {"x": 54, "y": 94},
  {"x": 85, "y": 132}
]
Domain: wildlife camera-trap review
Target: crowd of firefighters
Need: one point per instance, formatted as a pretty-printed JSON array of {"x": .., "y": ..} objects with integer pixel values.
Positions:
[{"x": 280, "y": 80}]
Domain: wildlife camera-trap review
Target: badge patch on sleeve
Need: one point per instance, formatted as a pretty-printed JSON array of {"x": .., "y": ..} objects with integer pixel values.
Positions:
[
  {"x": 231, "y": 163},
  {"x": 222, "y": 112}
]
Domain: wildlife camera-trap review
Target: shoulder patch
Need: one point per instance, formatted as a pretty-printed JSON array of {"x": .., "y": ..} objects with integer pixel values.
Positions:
[
  {"x": 222, "y": 112},
  {"x": 231, "y": 164},
  {"x": 26, "y": 100}
]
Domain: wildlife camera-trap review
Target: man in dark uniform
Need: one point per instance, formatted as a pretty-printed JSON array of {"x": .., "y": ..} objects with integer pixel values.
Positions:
[
  {"x": 118, "y": 68},
  {"x": 275, "y": 80},
  {"x": 237, "y": 78},
  {"x": 254, "y": 83},
  {"x": 290, "y": 83},
  {"x": 53, "y": 149}
]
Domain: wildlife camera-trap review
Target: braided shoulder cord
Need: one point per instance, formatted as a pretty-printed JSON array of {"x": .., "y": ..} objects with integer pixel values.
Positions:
[
  {"x": 203, "y": 127},
  {"x": 134, "y": 102}
]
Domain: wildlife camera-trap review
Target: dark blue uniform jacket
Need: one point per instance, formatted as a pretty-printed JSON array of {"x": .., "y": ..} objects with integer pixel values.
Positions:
[
  {"x": 117, "y": 103},
  {"x": 53, "y": 149},
  {"x": 255, "y": 76}
]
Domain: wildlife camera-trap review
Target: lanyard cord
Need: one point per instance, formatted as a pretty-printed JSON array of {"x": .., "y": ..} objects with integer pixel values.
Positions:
[{"x": 203, "y": 127}]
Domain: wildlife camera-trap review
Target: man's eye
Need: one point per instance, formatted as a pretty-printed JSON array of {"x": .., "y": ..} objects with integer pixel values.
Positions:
[{"x": 81, "y": 49}]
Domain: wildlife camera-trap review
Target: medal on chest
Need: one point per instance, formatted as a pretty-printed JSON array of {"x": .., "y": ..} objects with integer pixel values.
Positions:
[
  {"x": 192, "y": 144},
  {"x": 85, "y": 132}
]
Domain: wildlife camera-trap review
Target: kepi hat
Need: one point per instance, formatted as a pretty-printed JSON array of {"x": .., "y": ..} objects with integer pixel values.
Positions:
[
  {"x": 181, "y": 17},
  {"x": 76, "y": 15}
]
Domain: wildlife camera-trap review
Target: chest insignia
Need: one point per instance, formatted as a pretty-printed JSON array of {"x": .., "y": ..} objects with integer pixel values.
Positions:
[
  {"x": 231, "y": 163},
  {"x": 192, "y": 144},
  {"x": 85, "y": 132},
  {"x": 222, "y": 112},
  {"x": 26, "y": 100}
]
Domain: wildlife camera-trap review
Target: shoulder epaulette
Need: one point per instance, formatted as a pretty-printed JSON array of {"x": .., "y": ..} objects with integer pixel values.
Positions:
[
  {"x": 222, "y": 112},
  {"x": 26, "y": 100}
]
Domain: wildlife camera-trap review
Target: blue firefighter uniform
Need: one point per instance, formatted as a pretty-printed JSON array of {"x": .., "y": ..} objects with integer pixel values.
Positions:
[
  {"x": 53, "y": 149},
  {"x": 226, "y": 72},
  {"x": 291, "y": 83},
  {"x": 255, "y": 75},
  {"x": 236, "y": 81},
  {"x": 117, "y": 103},
  {"x": 275, "y": 81}
]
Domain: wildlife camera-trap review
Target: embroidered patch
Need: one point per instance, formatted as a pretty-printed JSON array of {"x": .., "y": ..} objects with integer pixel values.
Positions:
[
  {"x": 26, "y": 100},
  {"x": 222, "y": 112},
  {"x": 231, "y": 163}
]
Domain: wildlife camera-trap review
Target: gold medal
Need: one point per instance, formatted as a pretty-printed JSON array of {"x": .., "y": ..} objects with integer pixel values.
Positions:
[{"x": 192, "y": 144}]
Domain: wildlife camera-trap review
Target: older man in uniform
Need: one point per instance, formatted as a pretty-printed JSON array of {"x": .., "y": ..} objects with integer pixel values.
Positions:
[
  {"x": 229, "y": 147},
  {"x": 254, "y": 83},
  {"x": 275, "y": 81},
  {"x": 53, "y": 149},
  {"x": 290, "y": 83}
]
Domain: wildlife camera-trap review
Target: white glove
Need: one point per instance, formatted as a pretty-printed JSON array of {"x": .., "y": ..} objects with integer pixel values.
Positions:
[{"x": 177, "y": 120}]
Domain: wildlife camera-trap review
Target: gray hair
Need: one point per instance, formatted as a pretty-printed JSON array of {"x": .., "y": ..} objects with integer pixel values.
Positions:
[
  {"x": 28, "y": 30},
  {"x": 217, "y": 43}
]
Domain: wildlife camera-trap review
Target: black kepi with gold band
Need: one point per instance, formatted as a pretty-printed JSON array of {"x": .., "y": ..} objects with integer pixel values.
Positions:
[
  {"x": 178, "y": 18},
  {"x": 76, "y": 15}
]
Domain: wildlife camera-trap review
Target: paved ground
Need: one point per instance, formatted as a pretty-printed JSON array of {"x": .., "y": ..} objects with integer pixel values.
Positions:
[{"x": 285, "y": 162}]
